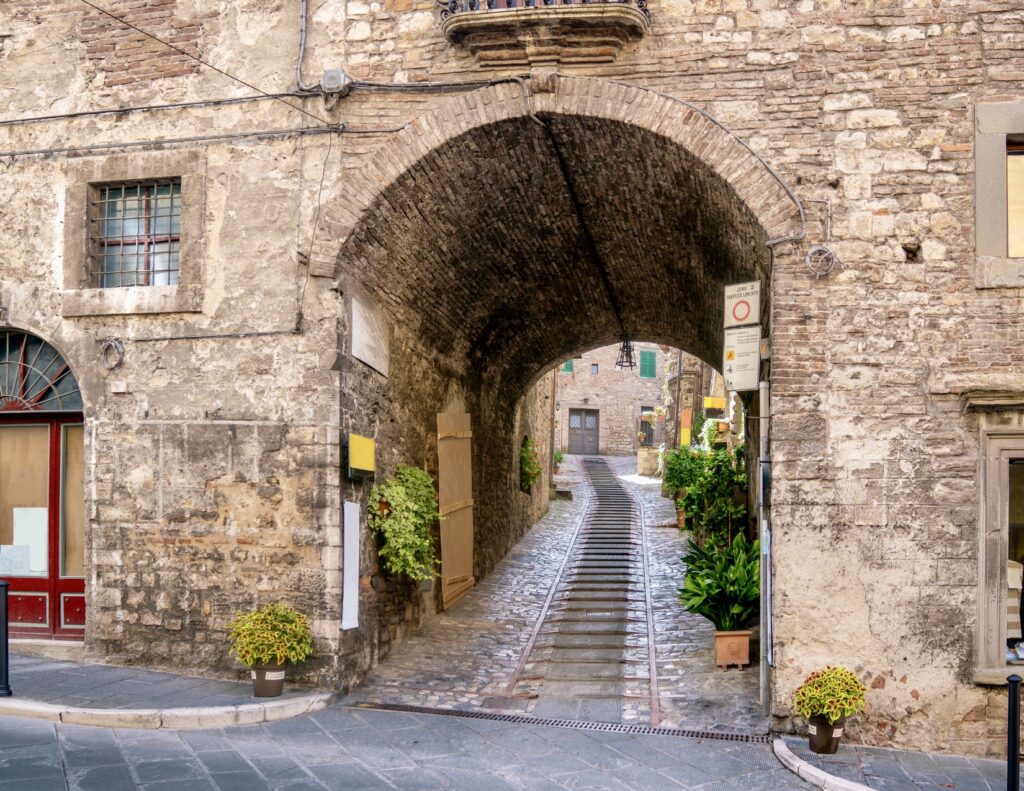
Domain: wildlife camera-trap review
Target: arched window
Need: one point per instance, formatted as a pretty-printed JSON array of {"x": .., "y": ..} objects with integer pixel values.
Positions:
[{"x": 34, "y": 377}]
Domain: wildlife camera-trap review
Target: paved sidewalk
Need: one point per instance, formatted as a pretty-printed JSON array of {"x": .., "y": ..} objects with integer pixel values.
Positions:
[
  {"x": 344, "y": 748},
  {"x": 94, "y": 694},
  {"x": 886, "y": 769}
]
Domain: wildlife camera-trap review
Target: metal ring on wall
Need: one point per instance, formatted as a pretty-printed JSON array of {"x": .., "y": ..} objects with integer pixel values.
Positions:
[{"x": 111, "y": 353}]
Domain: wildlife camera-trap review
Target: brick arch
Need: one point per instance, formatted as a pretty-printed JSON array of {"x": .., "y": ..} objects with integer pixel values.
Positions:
[{"x": 767, "y": 196}]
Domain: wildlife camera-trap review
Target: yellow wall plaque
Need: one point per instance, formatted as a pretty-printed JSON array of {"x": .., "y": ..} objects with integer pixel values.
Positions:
[{"x": 362, "y": 456}]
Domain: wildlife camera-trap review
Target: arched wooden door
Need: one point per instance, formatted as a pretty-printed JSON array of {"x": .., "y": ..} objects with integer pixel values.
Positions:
[{"x": 42, "y": 499}]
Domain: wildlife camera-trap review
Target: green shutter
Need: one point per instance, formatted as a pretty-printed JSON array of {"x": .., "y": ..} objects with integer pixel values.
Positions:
[
  {"x": 567, "y": 367},
  {"x": 648, "y": 365}
]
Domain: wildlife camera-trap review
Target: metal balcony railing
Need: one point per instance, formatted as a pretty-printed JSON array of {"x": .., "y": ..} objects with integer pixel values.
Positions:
[{"x": 452, "y": 7}]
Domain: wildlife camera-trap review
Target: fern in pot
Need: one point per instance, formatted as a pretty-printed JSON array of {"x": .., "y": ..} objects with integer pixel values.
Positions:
[{"x": 402, "y": 514}]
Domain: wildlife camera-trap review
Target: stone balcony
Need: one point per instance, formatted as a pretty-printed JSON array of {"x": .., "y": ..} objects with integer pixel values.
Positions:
[{"x": 539, "y": 32}]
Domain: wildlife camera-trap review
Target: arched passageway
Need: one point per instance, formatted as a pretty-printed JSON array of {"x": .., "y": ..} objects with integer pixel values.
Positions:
[{"x": 506, "y": 232}]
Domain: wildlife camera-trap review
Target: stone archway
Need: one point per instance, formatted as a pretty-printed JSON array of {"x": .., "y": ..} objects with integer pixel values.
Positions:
[{"x": 519, "y": 224}]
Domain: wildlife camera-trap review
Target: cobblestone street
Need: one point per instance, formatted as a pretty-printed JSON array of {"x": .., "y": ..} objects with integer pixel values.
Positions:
[{"x": 469, "y": 657}]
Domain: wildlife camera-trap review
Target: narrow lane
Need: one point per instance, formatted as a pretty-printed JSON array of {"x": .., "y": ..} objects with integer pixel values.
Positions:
[{"x": 583, "y": 665}]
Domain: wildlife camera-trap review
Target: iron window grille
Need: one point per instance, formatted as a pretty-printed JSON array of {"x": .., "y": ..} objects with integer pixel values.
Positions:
[{"x": 135, "y": 233}]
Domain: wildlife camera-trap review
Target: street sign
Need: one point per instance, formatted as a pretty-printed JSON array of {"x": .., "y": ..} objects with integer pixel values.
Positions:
[
  {"x": 743, "y": 304},
  {"x": 741, "y": 359}
]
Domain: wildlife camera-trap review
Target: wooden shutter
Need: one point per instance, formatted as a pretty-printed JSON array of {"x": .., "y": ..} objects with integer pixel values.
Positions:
[
  {"x": 648, "y": 365},
  {"x": 455, "y": 501}
]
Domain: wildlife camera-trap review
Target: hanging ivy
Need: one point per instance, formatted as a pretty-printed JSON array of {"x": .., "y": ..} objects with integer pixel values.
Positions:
[
  {"x": 402, "y": 512},
  {"x": 529, "y": 465}
]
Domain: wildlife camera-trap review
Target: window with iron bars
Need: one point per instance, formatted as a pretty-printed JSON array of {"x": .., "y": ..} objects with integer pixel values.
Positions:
[{"x": 135, "y": 233}]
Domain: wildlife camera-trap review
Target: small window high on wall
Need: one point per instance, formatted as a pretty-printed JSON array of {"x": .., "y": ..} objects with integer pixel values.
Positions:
[{"x": 1015, "y": 195}]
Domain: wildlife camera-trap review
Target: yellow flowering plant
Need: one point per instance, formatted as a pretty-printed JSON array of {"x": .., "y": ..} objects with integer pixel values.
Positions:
[
  {"x": 273, "y": 634},
  {"x": 833, "y": 693}
]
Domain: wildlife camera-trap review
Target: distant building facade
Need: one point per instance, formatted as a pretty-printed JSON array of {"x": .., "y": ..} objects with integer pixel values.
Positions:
[{"x": 598, "y": 406}]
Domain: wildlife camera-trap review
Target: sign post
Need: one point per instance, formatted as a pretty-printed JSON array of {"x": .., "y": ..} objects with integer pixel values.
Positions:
[{"x": 743, "y": 304}]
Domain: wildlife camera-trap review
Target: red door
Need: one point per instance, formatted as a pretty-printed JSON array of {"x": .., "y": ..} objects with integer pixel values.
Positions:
[{"x": 42, "y": 516}]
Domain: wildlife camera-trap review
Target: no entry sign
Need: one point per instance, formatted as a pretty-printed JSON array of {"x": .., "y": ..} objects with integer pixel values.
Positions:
[{"x": 743, "y": 304}]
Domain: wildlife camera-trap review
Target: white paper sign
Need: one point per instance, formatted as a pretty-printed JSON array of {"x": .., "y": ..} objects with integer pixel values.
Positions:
[
  {"x": 350, "y": 568},
  {"x": 741, "y": 358},
  {"x": 31, "y": 528},
  {"x": 14, "y": 560},
  {"x": 743, "y": 304},
  {"x": 370, "y": 334}
]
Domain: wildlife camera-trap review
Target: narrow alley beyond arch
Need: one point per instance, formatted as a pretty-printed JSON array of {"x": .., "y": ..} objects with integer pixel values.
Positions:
[{"x": 580, "y": 621}]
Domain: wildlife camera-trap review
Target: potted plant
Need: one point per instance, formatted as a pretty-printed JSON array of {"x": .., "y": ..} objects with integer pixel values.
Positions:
[
  {"x": 268, "y": 638},
  {"x": 826, "y": 698},
  {"x": 402, "y": 513},
  {"x": 723, "y": 584},
  {"x": 559, "y": 457}
]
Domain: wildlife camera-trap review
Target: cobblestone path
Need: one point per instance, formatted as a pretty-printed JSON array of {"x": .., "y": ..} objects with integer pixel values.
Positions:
[
  {"x": 598, "y": 608},
  {"x": 477, "y": 656}
]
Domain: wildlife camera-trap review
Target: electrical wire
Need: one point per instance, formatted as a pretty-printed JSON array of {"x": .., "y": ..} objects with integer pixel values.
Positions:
[
  {"x": 200, "y": 61},
  {"x": 265, "y": 134},
  {"x": 36, "y": 119}
]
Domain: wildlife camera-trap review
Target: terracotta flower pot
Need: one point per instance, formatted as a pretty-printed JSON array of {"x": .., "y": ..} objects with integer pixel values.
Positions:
[
  {"x": 681, "y": 518},
  {"x": 268, "y": 680},
  {"x": 824, "y": 738},
  {"x": 732, "y": 648}
]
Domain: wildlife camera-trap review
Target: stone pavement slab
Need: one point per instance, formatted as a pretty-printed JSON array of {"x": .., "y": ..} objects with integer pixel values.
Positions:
[
  {"x": 341, "y": 747},
  {"x": 95, "y": 694},
  {"x": 886, "y": 769}
]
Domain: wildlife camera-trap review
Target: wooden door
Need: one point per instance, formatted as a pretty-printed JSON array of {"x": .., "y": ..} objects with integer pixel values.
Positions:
[
  {"x": 583, "y": 431},
  {"x": 455, "y": 501}
]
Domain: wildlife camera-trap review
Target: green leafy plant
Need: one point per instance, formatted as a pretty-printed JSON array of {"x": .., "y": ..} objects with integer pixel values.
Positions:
[
  {"x": 682, "y": 466},
  {"x": 723, "y": 581},
  {"x": 833, "y": 693},
  {"x": 402, "y": 512},
  {"x": 697, "y": 430},
  {"x": 529, "y": 465},
  {"x": 273, "y": 634},
  {"x": 715, "y": 501},
  {"x": 559, "y": 457}
]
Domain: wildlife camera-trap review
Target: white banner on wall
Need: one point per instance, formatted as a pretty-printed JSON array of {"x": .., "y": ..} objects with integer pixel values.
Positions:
[{"x": 350, "y": 568}]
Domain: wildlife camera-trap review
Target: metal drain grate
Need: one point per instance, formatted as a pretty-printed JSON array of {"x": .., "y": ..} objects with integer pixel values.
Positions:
[{"x": 605, "y": 727}]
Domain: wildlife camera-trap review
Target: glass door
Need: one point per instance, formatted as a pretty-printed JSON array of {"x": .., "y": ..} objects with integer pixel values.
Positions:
[{"x": 42, "y": 525}]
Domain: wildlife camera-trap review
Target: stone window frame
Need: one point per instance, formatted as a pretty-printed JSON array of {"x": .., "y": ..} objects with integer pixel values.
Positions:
[
  {"x": 81, "y": 296},
  {"x": 1001, "y": 420},
  {"x": 993, "y": 121}
]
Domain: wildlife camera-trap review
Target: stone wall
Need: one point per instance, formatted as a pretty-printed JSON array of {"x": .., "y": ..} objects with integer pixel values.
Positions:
[
  {"x": 875, "y": 470},
  {"x": 617, "y": 395}
]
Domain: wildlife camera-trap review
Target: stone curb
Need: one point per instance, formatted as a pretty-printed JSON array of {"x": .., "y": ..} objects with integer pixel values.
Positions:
[
  {"x": 183, "y": 718},
  {"x": 812, "y": 774}
]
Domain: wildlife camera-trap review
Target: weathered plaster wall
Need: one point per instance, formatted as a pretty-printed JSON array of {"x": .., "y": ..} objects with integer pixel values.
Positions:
[{"x": 875, "y": 465}]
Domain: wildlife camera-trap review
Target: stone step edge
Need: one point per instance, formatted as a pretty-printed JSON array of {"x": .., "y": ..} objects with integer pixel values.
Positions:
[
  {"x": 809, "y": 773},
  {"x": 179, "y": 718}
]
